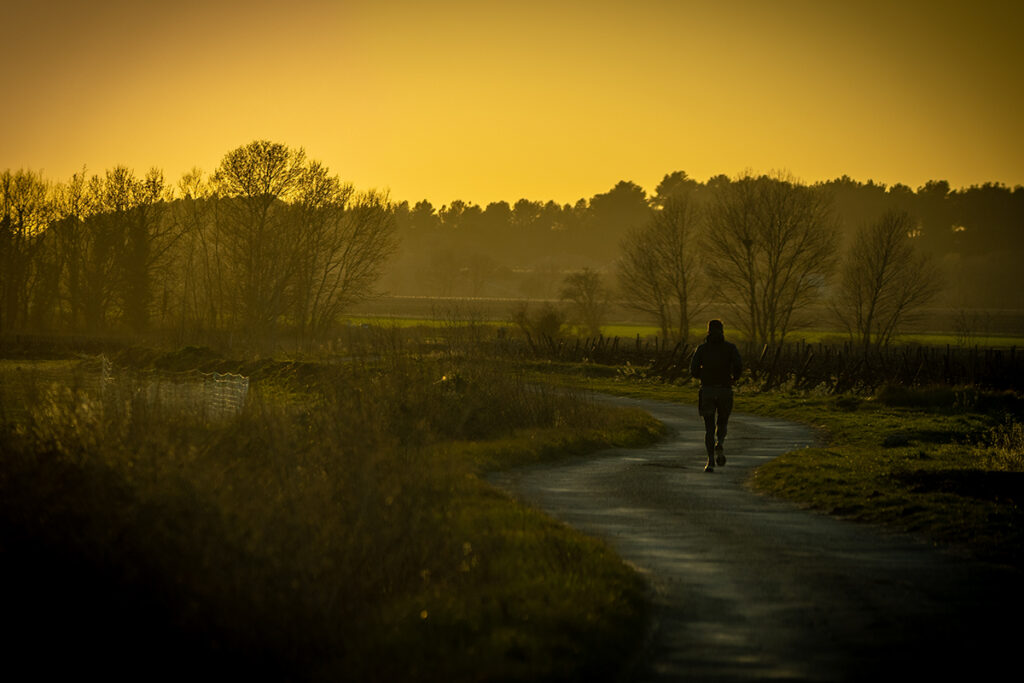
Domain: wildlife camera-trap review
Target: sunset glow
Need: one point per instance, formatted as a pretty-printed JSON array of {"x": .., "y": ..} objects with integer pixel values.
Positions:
[{"x": 546, "y": 100}]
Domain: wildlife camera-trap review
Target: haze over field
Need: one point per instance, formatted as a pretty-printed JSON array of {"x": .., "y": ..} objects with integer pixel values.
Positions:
[{"x": 496, "y": 101}]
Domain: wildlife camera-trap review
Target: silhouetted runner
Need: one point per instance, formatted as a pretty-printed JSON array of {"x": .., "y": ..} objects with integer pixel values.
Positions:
[{"x": 717, "y": 363}]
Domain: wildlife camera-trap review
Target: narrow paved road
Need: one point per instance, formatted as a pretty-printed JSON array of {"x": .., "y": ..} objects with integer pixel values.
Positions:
[{"x": 748, "y": 588}]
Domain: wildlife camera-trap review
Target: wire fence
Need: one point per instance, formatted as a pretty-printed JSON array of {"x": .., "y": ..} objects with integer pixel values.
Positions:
[
  {"x": 210, "y": 395},
  {"x": 213, "y": 395}
]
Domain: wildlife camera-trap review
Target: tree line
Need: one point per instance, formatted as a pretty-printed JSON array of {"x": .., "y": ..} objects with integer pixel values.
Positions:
[
  {"x": 270, "y": 242},
  {"x": 274, "y": 243},
  {"x": 524, "y": 248}
]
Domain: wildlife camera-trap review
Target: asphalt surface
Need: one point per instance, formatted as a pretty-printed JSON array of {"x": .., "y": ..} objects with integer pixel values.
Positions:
[{"x": 749, "y": 588}]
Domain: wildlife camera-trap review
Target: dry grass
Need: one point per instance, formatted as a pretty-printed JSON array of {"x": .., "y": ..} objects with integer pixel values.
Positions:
[{"x": 336, "y": 529}]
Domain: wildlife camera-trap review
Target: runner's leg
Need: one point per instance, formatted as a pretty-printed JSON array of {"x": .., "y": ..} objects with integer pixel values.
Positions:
[
  {"x": 709, "y": 432},
  {"x": 723, "y": 427},
  {"x": 724, "y": 410}
]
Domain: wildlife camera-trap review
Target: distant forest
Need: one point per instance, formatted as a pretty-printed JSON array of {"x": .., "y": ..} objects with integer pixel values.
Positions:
[
  {"x": 272, "y": 242},
  {"x": 524, "y": 249}
]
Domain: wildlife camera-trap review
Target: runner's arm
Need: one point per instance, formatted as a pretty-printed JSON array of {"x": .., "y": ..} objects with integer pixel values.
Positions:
[{"x": 696, "y": 363}]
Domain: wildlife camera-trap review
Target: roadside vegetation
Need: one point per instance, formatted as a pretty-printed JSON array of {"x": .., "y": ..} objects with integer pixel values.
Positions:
[
  {"x": 339, "y": 526},
  {"x": 336, "y": 529},
  {"x": 943, "y": 463}
]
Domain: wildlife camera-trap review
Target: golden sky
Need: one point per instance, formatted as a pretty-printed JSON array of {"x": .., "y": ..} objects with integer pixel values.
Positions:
[{"x": 483, "y": 101}]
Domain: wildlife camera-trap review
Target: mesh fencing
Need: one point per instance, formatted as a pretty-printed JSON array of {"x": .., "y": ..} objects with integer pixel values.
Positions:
[{"x": 211, "y": 395}]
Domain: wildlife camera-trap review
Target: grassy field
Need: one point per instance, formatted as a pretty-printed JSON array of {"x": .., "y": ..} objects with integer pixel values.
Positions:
[
  {"x": 933, "y": 326},
  {"x": 632, "y": 330},
  {"x": 946, "y": 464},
  {"x": 337, "y": 529}
]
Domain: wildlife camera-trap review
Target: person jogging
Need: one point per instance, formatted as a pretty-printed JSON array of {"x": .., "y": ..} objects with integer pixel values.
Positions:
[{"x": 717, "y": 363}]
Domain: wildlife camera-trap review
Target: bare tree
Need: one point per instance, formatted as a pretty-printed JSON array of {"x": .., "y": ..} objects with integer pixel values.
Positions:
[
  {"x": 251, "y": 185},
  {"x": 884, "y": 280},
  {"x": 344, "y": 238},
  {"x": 74, "y": 203},
  {"x": 25, "y": 211},
  {"x": 196, "y": 287},
  {"x": 658, "y": 273},
  {"x": 770, "y": 245},
  {"x": 640, "y": 284},
  {"x": 95, "y": 243},
  {"x": 291, "y": 243},
  {"x": 589, "y": 298},
  {"x": 110, "y": 237},
  {"x": 90, "y": 236},
  {"x": 150, "y": 233}
]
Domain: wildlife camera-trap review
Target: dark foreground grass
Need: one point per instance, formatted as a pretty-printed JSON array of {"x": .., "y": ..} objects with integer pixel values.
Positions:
[
  {"x": 338, "y": 529},
  {"x": 946, "y": 464}
]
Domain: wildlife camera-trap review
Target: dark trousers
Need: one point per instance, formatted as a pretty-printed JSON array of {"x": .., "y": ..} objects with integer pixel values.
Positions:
[{"x": 715, "y": 405}]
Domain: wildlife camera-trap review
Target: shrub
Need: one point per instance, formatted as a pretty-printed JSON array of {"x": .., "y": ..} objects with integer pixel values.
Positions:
[
  {"x": 896, "y": 395},
  {"x": 305, "y": 535}
]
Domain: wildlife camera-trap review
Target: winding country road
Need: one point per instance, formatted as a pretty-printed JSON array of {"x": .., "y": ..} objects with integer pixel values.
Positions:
[{"x": 749, "y": 588}]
